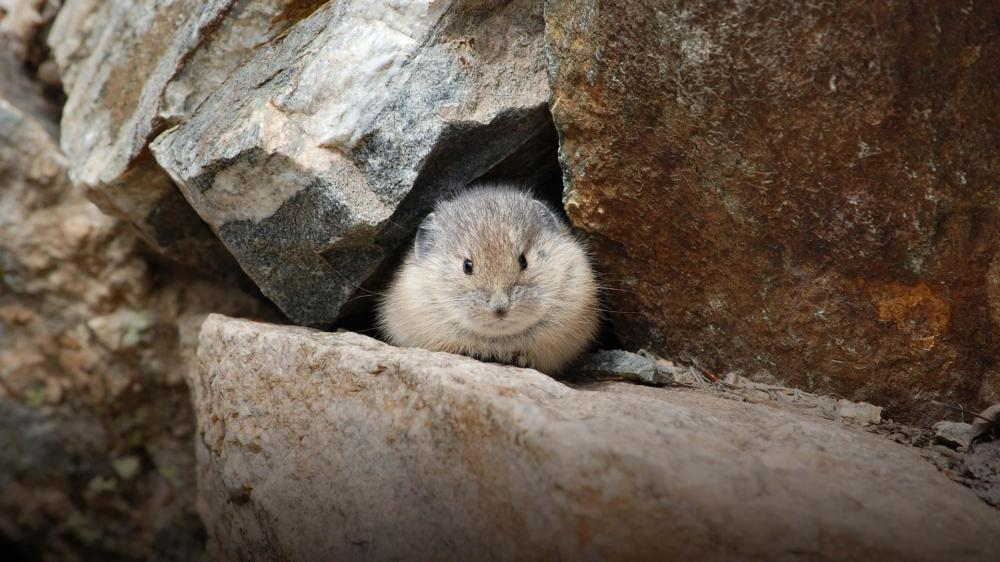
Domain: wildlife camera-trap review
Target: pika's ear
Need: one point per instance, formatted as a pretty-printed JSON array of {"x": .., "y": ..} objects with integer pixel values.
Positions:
[
  {"x": 549, "y": 219},
  {"x": 426, "y": 236}
]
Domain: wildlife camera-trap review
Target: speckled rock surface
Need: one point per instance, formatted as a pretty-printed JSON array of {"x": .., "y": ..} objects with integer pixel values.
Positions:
[
  {"x": 334, "y": 446},
  {"x": 319, "y": 155},
  {"x": 96, "y": 460},
  {"x": 21, "y": 25},
  {"x": 804, "y": 192},
  {"x": 130, "y": 70}
]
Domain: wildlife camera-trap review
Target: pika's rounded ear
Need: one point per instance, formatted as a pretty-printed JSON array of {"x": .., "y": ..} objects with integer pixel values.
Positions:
[
  {"x": 549, "y": 219},
  {"x": 426, "y": 237}
]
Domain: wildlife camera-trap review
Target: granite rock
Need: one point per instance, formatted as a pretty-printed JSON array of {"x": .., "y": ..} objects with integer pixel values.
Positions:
[{"x": 130, "y": 70}]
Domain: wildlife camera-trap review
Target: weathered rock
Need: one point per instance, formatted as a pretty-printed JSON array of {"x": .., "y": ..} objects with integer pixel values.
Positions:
[
  {"x": 859, "y": 412},
  {"x": 95, "y": 422},
  {"x": 75, "y": 35},
  {"x": 21, "y": 25},
  {"x": 330, "y": 446},
  {"x": 953, "y": 434},
  {"x": 805, "y": 192},
  {"x": 986, "y": 426},
  {"x": 31, "y": 167},
  {"x": 983, "y": 462},
  {"x": 301, "y": 161},
  {"x": 624, "y": 364},
  {"x": 132, "y": 69}
]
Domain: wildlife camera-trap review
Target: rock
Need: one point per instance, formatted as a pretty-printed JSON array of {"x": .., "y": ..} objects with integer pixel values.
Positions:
[
  {"x": 983, "y": 462},
  {"x": 32, "y": 168},
  {"x": 131, "y": 69},
  {"x": 807, "y": 193},
  {"x": 21, "y": 25},
  {"x": 630, "y": 366},
  {"x": 321, "y": 446},
  {"x": 859, "y": 412},
  {"x": 91, "y": 374},
  {"x": 952, "y": 434},
  {"x": 75, "y": 35},
  {"x": 986, "y": 427},
  {"x": 318, "y": 156}
]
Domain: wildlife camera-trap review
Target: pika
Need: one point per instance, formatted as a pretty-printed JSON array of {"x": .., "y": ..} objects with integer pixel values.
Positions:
[{"x": 496, "y": 275}]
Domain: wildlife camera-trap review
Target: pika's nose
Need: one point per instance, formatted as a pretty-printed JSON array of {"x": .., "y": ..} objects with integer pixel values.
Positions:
[{"x": 499, "y": 304}]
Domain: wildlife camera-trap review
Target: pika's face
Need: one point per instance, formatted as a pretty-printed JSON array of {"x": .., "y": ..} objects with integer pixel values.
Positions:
[{"x": 499, "y": 261}]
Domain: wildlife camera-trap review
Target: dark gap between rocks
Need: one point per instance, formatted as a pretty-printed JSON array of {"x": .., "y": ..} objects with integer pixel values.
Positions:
[{"x": 535, "y": 166}]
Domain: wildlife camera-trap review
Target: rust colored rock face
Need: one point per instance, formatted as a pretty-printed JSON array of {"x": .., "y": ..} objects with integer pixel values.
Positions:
[{"x": 804, "y": 193}]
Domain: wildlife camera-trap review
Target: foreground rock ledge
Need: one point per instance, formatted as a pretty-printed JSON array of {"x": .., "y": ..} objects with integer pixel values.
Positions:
[{"x": 334, "y": 446}]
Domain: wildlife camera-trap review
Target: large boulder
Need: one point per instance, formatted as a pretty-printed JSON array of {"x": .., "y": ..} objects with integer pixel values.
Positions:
[
  {"x": 316, "y": 157},
  {"x": 334, "y": 446},
  {"x": 806, "y": 192},
  {"x": 131, "y": 69}
]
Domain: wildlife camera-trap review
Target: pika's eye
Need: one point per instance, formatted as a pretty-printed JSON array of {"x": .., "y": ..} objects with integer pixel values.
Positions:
[
  {"x": 467, "y": 266},
  {"x": 523, "y": 261}
]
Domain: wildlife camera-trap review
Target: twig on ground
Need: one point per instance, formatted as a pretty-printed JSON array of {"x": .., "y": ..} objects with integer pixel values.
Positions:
[{"x": 963, "y": 410}]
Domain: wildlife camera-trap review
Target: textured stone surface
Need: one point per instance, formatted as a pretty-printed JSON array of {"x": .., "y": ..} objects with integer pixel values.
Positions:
[
  {"x": 132, "y": 69},
  {"x": 21, "y": 26},
  {"x": 983, "y": 463},
  {"x": 805, "y": 192},
  {"x": 31, "y": 167},
  {"x": 983, "y": 458},
  {"x": 302, "y": 160},
  {"x": 953, "y": 434},
  {"x": 95, "y": 422},
  {"x": 333, "y": 446},
  {"x": 75, "y": 35},
  {"x": 630, "y": 366}
]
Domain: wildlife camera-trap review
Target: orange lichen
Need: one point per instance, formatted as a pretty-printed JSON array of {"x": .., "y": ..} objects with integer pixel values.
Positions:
[{"x": 914, "y": 309}]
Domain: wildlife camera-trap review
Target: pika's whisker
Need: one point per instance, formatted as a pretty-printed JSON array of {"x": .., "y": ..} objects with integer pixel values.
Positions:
[{"x": 616, "y": 289}]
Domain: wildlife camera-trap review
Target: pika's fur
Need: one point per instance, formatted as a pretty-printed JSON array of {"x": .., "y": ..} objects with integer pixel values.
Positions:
[{"x": 496, "y": 275}]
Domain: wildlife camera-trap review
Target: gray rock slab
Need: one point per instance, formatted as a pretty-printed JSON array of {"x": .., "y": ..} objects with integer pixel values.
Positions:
[
  {"x": 130, "y": 70},
  {"x": 302, "y": 160},
  {"x": 983, "y": 463},
  {"x": 625, "y": 364},
  {"x": 334, "y": 446},
  {"x": 953, "y": 434}
]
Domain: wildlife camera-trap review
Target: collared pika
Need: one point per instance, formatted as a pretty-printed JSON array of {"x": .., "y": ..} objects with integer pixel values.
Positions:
[{"x": 496, "y": 275}]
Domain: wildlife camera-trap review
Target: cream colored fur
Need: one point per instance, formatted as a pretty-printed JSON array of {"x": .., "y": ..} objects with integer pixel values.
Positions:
[{"x": 552, "y": 310}]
